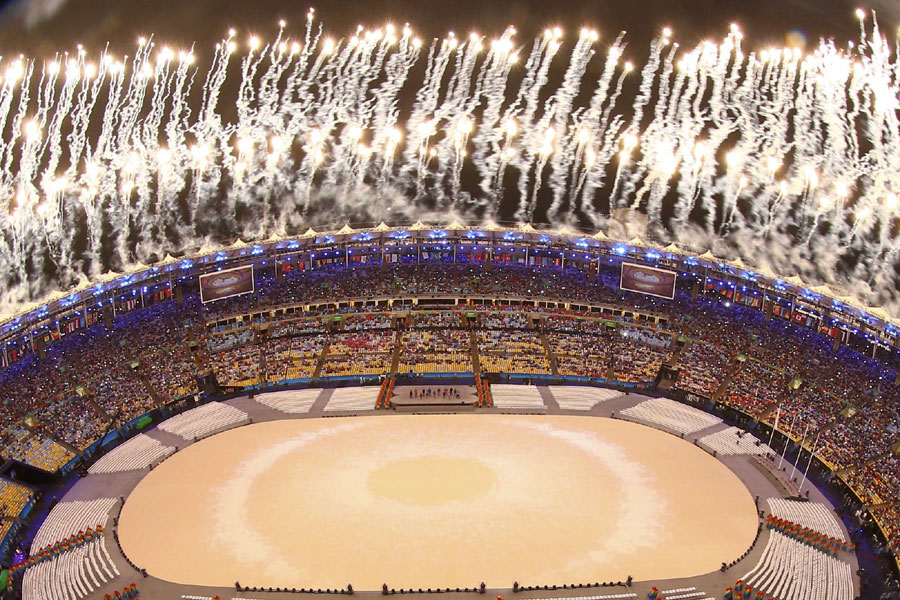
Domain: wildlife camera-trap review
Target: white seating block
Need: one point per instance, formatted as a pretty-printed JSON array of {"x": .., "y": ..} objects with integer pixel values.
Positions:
[
  {"x": 811, "y": 515},
  {"x": 352, "y": 399},
  {"x": 789, "y": 570},
  {"x": 292, "y": 402},
  {"x": 728, "y": 442},
  {"x": 204, "y": 420},
  {"x": 517, "y": 397},
  {"x": 68, "y": 518},
  {"x": 671, "y": 415},
  {"x": 140, "y": 452},
  {"x": 581, "y": 397},
  {"x": 72, "y": 575}
]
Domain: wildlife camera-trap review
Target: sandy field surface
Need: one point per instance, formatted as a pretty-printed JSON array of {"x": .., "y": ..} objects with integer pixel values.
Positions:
[{"x": 436, "y": 501}]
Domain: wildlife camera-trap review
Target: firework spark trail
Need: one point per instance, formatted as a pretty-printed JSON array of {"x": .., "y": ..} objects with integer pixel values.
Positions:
[
  {"x": 605, "y": 132},
  {"x": 389, "y": 136},
  {"x": 491, "y": 154},
  {"x": 572, "y": 150},
  {"x": 455, "y": 110},
  {"x": 775, "y": 140},
  {"x": 134, "y": 154},
  {"x": 637, "y": 170},
  {"x": 7, "y": 93},
  {"x": 537, "y": 137}
]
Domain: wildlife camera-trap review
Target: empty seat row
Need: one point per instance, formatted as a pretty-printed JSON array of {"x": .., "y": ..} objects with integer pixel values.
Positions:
[
  {"x": 137, "y": 453},
  {"x": 204, "y": 420},
  {"x": 734, "y": 441},
  {"x": 581, "y": 397},
  {"x": 72, "y": 575},
  {"x": 292, "y": 402},
  {"x": 811, "y": 515},
  {"x": 352, "y": 399},
  {"x": 671, "y": 415},
  {"x": 517, "y": 397},
  {"x": 790, "y": 570},
  {"x": 68, "y": 518}
]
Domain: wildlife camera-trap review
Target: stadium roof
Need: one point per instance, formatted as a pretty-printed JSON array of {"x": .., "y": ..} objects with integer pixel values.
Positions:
[{"x": 207, "y": 259}]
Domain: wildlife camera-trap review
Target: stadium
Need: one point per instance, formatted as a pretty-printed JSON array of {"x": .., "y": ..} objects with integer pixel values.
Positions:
[{"x": 611, "y": 407}]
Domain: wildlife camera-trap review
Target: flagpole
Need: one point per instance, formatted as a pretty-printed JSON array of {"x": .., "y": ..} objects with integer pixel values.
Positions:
[
  {"x": 775, "y": 426},
  {"x": 815, "y": 446},
  {"x": 805, "y": 429},
  {"x": 787, "y": 441}
]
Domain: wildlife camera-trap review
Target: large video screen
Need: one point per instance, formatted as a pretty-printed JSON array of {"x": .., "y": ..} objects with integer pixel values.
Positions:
[
  {"x": 225, "y": 284},
  {"x": 648, "y": 280}
]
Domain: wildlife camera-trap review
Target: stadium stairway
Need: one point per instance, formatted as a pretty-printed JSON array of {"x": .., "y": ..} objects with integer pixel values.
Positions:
[
  {"x": 92, "y": 401},
  {"x": 551, "y": 357},
  {"x": 321, "y": 362},
  {"x": 395, "y": 356},
  {"x": 548, "y": 397},
  {"x": 473, "y": 349},
  {"x": 141, "y": 376},
  {"x": 702, "y": 433},
  {"x": 263, "y": 378},
  {"x": 676, "y": 356},
  {"x": 386, "y": 393},
  {"x": 88, "y": 397},
  {"x": 618, "y": 404},
  {"x": 318, "y": 407},
  {"x": 151, "y": 391},
  {"x": 768, "y": 411},
  {"x": 733, "y": 369},
  {"x": 254, "y": 409}
]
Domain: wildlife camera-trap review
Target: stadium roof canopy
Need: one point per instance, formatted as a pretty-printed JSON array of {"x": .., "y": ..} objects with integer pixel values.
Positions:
[{"x": 870, "y": 320}]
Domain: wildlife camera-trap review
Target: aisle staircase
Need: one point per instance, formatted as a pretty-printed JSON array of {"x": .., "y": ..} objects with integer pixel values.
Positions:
[
  {"x": 88, "y": 396},
  {"x": 386, "y": 393},
  {"x": 548, "y": 351},
  {"x": 151, "y": 391},
  {"x": 261, "y": 365},
  {"x": 320, "y": 364},
  {"x": 395, "y": 354},
  {"x": 473, "y": 348},
  {"x": 483, "y": 388},
  {"x": 733, "y": 369}
]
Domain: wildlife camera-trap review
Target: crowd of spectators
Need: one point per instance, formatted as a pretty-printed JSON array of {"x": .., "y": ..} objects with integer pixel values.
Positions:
[
  {"x": 96, "y": 375},
  {"x": 756, "y": 388},
  {"x": 368, "y": 321},
  {"x": 581, "y": 355},
  {"x": 504, "y": 320},
  {"x": 228, "y": 339},
  {"x": 237, "y": 367},
  {"x": 20, "y": 444},
  {"x": 876, "y": 482},
  {"x": 855, "y": 440},
  {"x": 367, "y": 352},
  {"x": 702, "y": 368},
  {"x": 435, "y": 350},
  {"x": 99, "y": 377},
  {"x": 601, "y": 349},
  {"x": 511, "y": 351},
  {"x": 13, "y": 498},
  {"x": 438, "y": 320},
  {"x": 808, "y": 406},
  {"x": 292, "y": 358}
]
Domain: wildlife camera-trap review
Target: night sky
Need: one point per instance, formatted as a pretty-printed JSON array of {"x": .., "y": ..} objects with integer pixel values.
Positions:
[
  {"x": 41, "y": 28},
  {"x": 38, "y": 28}
]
